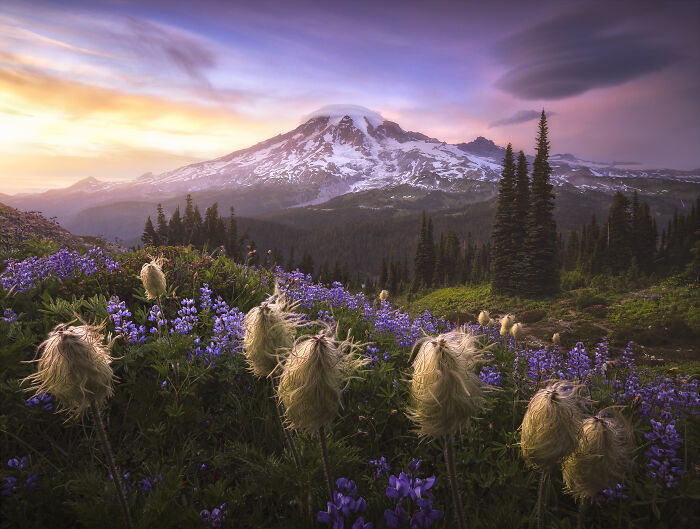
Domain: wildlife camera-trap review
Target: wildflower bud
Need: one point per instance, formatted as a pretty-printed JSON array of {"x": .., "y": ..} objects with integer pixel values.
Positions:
[
  {"x": 313, "y": 377},
  {"x": 506, "y": 324},
  {"x": 75, "y": 367},
  {"x": 153, "y": 278},
  {"x": 551, "y": 425},
  {"x": 516, "y": 331},
  {"x": 361, "y": 418},
  {"x": 393, "y": 412},
  {"x": 445, "y": 390},
  {"x": 556, "y": 339},
  {"x": 601, "y": 458},
  {"x": 484, "y": 318},
  {"x": 383, "y": 295}
]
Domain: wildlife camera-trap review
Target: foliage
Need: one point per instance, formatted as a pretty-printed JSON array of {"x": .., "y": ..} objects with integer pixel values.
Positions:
[{"x": 198, "y": 442}]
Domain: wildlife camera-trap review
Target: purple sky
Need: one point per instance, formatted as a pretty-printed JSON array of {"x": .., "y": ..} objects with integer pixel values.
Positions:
[{"x": 115, "y": 89}]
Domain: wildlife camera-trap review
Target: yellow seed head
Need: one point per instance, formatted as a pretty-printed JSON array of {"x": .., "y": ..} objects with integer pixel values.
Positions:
[
  {"x": 153, "y": 278},
  {"x": 506, "y": 324},
  {"x": 601, "y": 458},
  {"x": 484, "y": 318},
  {"x": 313, "y": 377},
  {"x": 74, "y": 367},
  {"x": 383, "y": 295},
  {"x": 516, "y": 331},
  {"x": 446, "y": 393},
  {"x": 556, "y": 339},
  {"x": 551, "y": 425}
]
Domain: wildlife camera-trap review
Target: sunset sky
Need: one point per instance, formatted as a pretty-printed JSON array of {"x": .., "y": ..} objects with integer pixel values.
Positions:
[{"x": 114, "y": 89}]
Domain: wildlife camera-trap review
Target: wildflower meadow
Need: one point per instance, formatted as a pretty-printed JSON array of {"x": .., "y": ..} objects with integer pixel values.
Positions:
[{"x": 332, "y": 422}]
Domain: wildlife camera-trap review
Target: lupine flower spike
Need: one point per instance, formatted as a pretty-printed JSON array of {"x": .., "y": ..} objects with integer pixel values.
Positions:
[
  {"x": 75, "y": 367},
  {"x": 153, "y": 278}
]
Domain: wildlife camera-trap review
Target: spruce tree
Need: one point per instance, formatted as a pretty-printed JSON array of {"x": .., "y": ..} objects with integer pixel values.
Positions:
[
  {"x": 504, "y": 252},
  {"x": 188, "y": 221},
  {"x": 232, "y": 247},
  {"x": 541, "y": 272},
  {"x": 522, "y": 207},
  {"x": 619, "y": 234}
]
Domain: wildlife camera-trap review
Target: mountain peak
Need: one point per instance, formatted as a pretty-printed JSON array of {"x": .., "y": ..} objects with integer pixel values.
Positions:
[{"x": 337, "y": 112}]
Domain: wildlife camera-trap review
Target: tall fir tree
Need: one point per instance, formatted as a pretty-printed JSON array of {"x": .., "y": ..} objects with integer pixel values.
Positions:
[
  {"x": 424, "y": 262},
  {"x": 188, "y": 221},
  {"x": 522, "y": 207},
  {"x": 541, "y": 270},
  {"x": 504, "y": 250},
  {"x": 232, "y": 243}
]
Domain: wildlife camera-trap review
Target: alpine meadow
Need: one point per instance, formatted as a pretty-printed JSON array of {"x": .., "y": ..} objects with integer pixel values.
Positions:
[{"x": 229, "y": 301}]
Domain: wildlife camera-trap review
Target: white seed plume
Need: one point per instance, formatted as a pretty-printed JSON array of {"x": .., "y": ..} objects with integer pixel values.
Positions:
[
  {"x": 446, "y": 393},
  {"x": 551, "y": 425},
  {"x": 601, "y": 458},
  {"x": 153, "y": 278},
  {"x": 383, "y": 295},
  {"x": 516, "y": 331},
  {"x": 506, "y": 324},
  {"x": 484, "y": 318},
  {"x": 269, "y": 334},
  {"x": 313, "y": 377},
  {"x": 556, "y": 339},
  {"x": 74, "y": 367}
]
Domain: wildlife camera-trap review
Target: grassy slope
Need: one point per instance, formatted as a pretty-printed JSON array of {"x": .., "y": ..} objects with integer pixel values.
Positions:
[{"x": 664, "y": 318}]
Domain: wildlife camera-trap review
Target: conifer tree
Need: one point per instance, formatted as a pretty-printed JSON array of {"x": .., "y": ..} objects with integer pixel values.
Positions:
[
  {"x": 196, "y": 237},
  {"x": 149, "y": 237},
  {"x": 541, "y": 272},
  {"x": 504, "y": 251},
  {"x": 425, "y": 255},
  {"x": 176, "y": 233},
  {"x": 384, "y": 275},
  {"x": 522, "y": 207},
  {"x": 188, "y": 221},
  {"x": 162, "y": 226},
  {"x": 232, "y": 244}
]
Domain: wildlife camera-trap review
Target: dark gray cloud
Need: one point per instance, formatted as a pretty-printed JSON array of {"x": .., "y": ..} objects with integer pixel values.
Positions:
[
  {"x": 577, "y": 51},
  {"x": 521, "y": 116},
  {"x": 162, "y": 45}
]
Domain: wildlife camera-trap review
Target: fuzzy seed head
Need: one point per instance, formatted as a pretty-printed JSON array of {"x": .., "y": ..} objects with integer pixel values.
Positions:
[
  {"x": 313, "y": 377},
  {"x": 516, "y": 331},
  {"x": 506, "y": 324},
  {"x": 269, "y": 334},
  {"x": 601, "y": 458},
  {"x": 556, "y": 339},
  {"x": 383, "y": 295},
  {"x": 551, "y": 425},
  {"x": 484, "y": 318},
  {"x": 446, "y": 392},
  {"x": 491, "y": 323},
  {"x": 153, "y": 278},
  {"x": 74, "y": 367},
  {"x": 466, "y": 344}
]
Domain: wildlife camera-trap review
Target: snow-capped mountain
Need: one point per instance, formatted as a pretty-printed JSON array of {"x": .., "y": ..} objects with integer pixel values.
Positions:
[{"x": 336, "y": 150}]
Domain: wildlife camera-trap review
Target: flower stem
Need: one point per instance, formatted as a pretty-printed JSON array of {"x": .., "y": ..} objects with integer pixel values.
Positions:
[
  {"x": 581, "y": 515},
  {"x": 540, "y": 499},
  {"x": 452, "y": 477},
  {"x": 109, "y": 456},
  {"x": 288, "y": 439},
  {"x": 326, "y": 461}
]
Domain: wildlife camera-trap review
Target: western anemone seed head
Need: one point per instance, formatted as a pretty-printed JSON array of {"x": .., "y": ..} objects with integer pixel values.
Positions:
[
  {"x": 491, "y": 322},
  {"x": 445, "y": 390},
  {"x": 506, "y": 324},
  {"x": 466, "y": 344},
  {"x": 383, "y": 295},
  {"x": 269, "y": 335},
  {"x": 516, "y": 331},
  {"x": 556, "y": 339},
  {"x": 484, "y": 318},
  {"x": 313, "y": 377},
  {"x": 153, "y": 278},
  {"x": 74, "y": 367},
  {"x": 601, "y": 458},
  {"x": 551, "y": 425}
]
